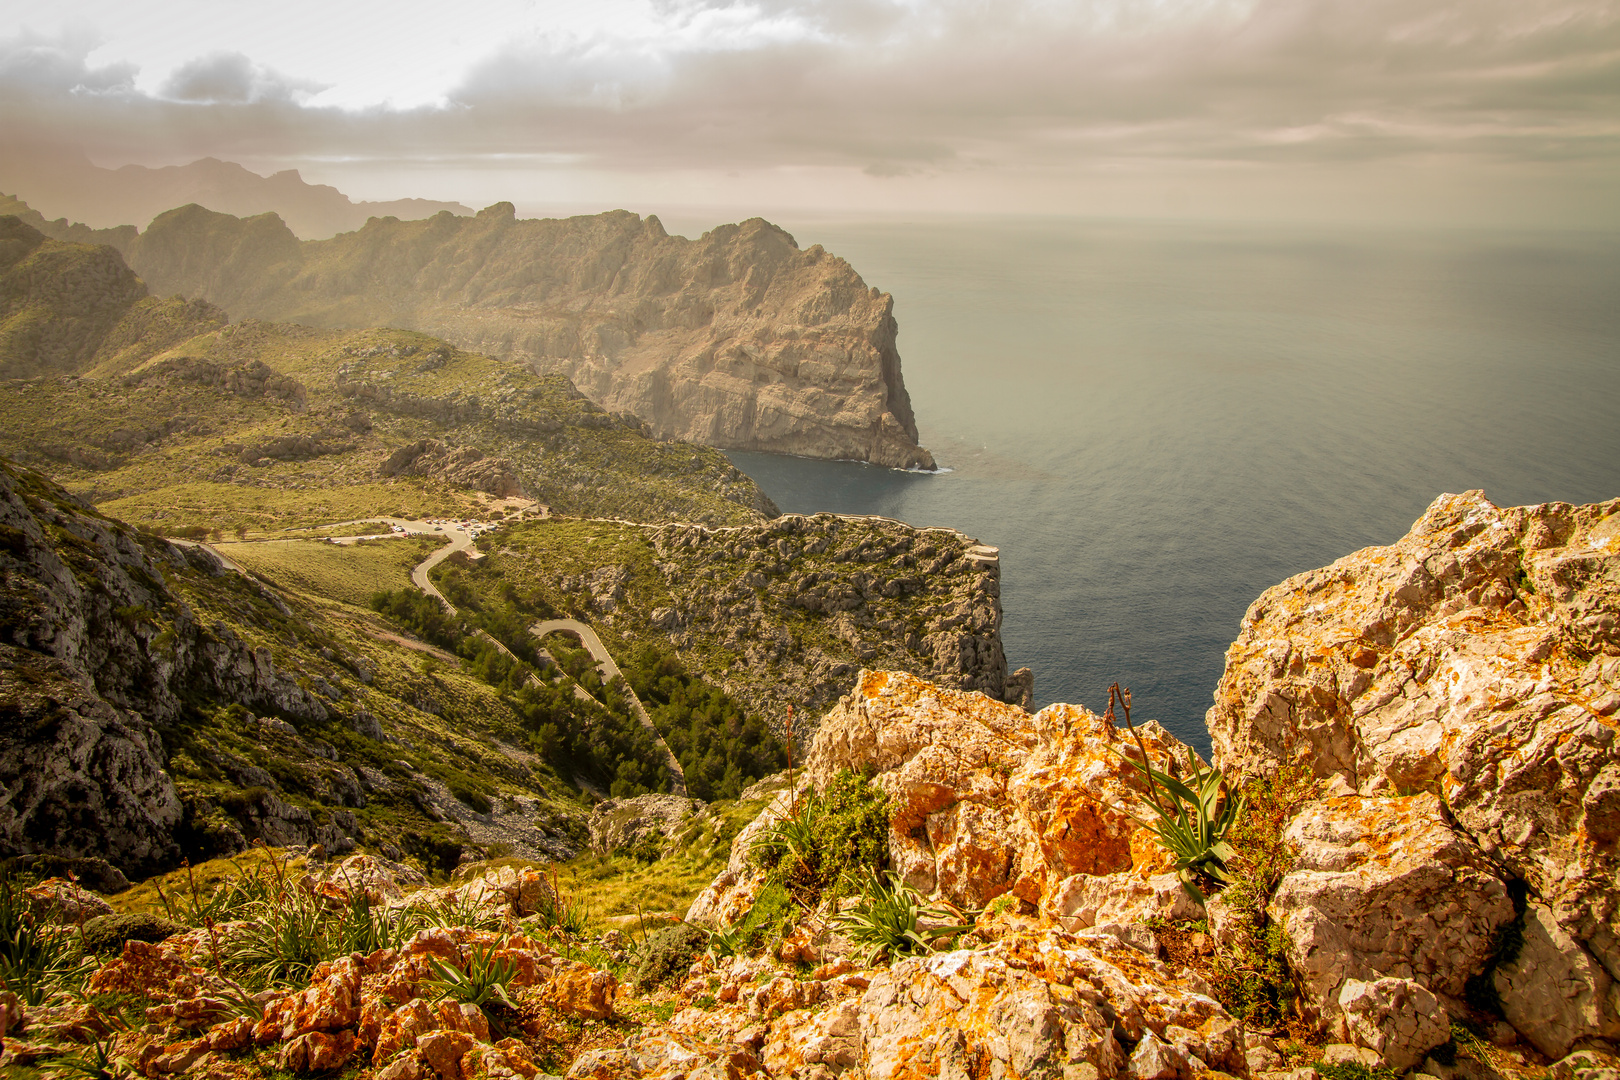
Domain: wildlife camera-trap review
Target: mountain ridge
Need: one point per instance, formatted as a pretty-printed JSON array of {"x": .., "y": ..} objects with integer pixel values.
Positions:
[
  {"x": 738, "y": 339},
  {"x": 70, "y": 184}
]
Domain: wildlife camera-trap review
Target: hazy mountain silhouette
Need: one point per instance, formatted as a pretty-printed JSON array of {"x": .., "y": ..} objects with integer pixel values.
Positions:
[{"x": 58, "y": 183}]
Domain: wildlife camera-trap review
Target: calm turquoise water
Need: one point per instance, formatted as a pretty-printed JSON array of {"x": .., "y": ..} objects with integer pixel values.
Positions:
[{"x": 1157, "y": 423}]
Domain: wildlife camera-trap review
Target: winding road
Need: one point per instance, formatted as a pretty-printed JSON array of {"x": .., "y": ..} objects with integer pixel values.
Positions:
[
  {"x": 610, "y": 671},
  {"x": 462, "y": 540}
]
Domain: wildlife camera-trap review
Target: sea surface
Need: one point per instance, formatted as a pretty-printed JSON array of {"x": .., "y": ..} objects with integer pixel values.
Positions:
[{"x": 1157, "y": 422}]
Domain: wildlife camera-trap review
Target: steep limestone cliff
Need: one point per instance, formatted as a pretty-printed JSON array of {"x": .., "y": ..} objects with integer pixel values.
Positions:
[{"x": 737, "y": 339}]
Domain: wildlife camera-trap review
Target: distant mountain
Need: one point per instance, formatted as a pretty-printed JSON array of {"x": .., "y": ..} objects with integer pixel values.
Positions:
[
  {"x": 68, "y": 308},
  {"x": 71, "y": 185},
  {"x": 738, "y": 339},
  {"x": 61, "y": 229}
]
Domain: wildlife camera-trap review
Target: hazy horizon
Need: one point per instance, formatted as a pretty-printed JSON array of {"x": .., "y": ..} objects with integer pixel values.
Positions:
[{"x": 1422, "y": 112}]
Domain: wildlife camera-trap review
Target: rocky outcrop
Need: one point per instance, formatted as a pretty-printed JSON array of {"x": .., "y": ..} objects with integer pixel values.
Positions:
[
  {"x": 1457, "y": 691},
  {"x": 738, "y": 339},
  {"x": 460, "y": 466},
  {"x": 77, "y": 774},
  {"x": 90, "y": 592},
  {"x": 94, "y": 647},
  {"x": 641, "y": 820},
  {"x": 810, "y": 600},
  {"x": 986, "y": 800}
]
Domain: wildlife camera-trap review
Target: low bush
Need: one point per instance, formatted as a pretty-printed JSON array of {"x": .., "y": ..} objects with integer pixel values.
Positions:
[
  {"x": 1250, "y": 970},
  {"x": 107, "y": 933},
  {"x": 765, "y": 922},
  {"x": 668, "y": 954},
  {"x": 825, "y": 838}
]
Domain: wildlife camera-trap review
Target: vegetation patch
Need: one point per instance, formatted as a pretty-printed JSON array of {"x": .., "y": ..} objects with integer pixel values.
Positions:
[
  {"x": 349, "y": 573},
  {"x": 828, "y": 840},
  {"x": 668, "y": 954}
]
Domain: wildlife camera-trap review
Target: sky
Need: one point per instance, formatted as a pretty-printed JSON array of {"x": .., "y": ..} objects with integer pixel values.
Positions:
[{"x": 1390, "y": 112}]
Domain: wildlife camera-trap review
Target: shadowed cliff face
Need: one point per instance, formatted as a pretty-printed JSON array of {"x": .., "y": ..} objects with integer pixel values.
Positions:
[{"x": 737, "y": 339}]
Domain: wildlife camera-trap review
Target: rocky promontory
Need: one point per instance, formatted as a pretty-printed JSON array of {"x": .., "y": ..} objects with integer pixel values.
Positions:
[{"x": 738, "y": 339}]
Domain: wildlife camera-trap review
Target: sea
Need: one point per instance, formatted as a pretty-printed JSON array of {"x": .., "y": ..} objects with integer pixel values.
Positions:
[{"x": 1155, "y": 422}]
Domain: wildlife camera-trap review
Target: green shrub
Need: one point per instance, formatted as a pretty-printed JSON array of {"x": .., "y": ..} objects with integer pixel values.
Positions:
[
  {"x": 668, "y": 954},
  {"x": 1354, "y": 1070},
  {"x": 1250, "y": 971},
  {"x": 768, "y": 919},
  {"x": 826, "y": 837},
  {"x": 107, "y": 933}
]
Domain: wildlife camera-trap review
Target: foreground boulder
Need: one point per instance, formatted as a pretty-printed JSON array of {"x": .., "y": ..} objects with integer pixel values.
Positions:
[
  {"x": 1386, "y": 887},
  {"x": 987, "y": 799},
  {"x": 1477, "y": 662}
]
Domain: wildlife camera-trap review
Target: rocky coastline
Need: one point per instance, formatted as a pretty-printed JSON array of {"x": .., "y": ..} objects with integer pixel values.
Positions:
[{"x": 1422, "y": 884}]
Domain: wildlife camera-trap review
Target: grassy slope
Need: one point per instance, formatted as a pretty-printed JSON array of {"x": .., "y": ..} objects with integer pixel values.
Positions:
[
  {"x": 161, "y": 451},
  {"x": 346, "y": 574}
]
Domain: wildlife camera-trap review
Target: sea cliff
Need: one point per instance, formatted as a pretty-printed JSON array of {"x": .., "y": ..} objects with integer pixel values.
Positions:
[{"x": 738, "y": 339}]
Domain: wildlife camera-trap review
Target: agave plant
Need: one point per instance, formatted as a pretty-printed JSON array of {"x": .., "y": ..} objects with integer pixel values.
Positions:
[
  {"x": 484, "y": 980},
  {"x": 98, "y": 1061},
  {"x": 884, "y": 922},
  {"x": 1191, "y": 818}
]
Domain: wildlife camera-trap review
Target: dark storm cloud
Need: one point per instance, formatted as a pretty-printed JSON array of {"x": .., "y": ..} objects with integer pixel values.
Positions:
[{"x": 894, "y": 89}]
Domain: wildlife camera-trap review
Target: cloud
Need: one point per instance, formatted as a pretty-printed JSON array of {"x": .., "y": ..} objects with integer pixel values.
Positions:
[
  {"x": 908, "y": 89},
  {"x": 231, "y": 78},
  {"x": 34, "y": 65}
]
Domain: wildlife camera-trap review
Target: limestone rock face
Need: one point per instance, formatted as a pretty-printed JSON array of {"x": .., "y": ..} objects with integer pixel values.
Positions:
[
  {"x": 460, "y": 466},
  {"x": 988, "y": 799},
  {"x": 95, "y": 648},
  {"x": 737, "y": 339},
  {"x": 1386, "y": 887},
  {"x": 1554, "y": 991},
  {"x": 1476, "y": 659},
  {"x": 1396, "y": 1018},
  {"x": 617, "y": 823},
  {"x": 78, "y": 774}
]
